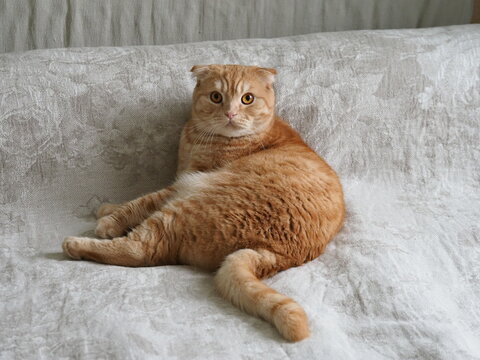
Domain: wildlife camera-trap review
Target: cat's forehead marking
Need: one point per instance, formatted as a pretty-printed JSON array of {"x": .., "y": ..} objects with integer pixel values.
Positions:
[
  {"x": 234, "y": 84},
  {"x": 238, "y": 85},
  {"x": 241, "y": 87},
  {"x": 218, "y": 84},
  {"x": 223, "y": 84}
]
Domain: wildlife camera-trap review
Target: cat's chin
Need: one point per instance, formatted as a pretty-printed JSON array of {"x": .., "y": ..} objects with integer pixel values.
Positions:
[{"x": 232, "y": 132}]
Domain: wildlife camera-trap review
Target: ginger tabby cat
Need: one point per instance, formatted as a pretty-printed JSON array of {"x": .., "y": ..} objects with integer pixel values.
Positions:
[{"x": 251, "y": 199}]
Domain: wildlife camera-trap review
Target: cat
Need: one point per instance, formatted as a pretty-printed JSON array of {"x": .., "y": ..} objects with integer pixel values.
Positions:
[{"x": 251, "y": 199}]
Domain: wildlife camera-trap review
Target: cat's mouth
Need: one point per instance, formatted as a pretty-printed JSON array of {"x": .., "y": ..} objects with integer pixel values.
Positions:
[{"x": 232, "y": 125}]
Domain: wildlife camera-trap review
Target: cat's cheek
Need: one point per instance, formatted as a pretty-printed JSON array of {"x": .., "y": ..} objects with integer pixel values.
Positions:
[
  {"x": 205, "y": 114},
  {"x": 204, "y": 106},
  {"x": 258, "y": 113}
]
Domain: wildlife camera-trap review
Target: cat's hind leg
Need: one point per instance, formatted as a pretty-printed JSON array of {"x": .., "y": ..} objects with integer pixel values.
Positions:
[
  {"x": 148, "y": 244},
  {"x": 119, "y": 219}
]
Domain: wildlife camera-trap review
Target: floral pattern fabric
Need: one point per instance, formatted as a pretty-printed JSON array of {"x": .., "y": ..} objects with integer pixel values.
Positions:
[{"x": 395, "y": 112}]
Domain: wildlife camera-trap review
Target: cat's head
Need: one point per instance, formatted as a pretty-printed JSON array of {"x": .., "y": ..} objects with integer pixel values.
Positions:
[{"x": 233, "y": 100}]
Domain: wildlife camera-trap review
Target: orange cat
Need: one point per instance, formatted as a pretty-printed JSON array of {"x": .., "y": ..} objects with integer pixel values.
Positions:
[{"x": 251, "y": 199}]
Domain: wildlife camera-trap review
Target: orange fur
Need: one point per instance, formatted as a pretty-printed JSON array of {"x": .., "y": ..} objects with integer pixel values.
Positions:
[{"x": 251, "y": 199}]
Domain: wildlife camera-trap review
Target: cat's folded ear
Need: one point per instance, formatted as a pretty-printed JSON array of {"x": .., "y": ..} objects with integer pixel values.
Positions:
[
  {"x": 267, "y": 74},
  {"x": 199, "y": 72}
]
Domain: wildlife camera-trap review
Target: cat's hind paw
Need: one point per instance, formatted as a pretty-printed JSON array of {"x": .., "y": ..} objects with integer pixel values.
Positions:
[{"x": 108, "y": 228}]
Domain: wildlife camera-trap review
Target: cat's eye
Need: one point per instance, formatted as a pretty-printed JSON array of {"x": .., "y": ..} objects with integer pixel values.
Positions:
[
  {"x": 216, "y": 97},
  {"x": 247, "y": 98}
]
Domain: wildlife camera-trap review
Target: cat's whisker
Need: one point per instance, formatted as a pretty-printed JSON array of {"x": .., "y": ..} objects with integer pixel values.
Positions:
[
  {"x": 198, "y": 140},
  {"x": 202, "y": 138},
  {"x": 207, "y": 136}
]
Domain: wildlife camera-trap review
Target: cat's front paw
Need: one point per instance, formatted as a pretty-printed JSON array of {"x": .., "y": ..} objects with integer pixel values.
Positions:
[
  {"x": 108, "y": 228},
  {"x": 71, "y": 246},
  {"x": 106, "y": 209}
]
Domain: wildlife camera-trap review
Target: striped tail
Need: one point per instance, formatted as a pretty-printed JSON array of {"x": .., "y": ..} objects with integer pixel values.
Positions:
[{"x": 237, "y": 280}]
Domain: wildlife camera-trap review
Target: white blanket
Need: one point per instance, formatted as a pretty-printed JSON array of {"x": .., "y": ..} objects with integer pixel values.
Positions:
[{"x": 395, "y": 112}]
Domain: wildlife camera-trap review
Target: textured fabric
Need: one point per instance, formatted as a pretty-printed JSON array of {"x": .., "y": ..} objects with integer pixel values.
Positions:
[
  {"x": 29, "y": 24},
  {"x": 395, "y": 112}
]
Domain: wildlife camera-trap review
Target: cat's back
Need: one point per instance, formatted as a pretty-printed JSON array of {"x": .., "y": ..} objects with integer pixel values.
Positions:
[{"x": 287, "y": 160}]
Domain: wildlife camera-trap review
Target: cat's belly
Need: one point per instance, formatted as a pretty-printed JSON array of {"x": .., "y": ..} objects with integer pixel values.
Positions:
[{"x": 219, "y": 212}]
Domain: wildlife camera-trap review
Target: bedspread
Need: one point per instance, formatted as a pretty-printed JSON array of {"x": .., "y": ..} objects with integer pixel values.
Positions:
[{"x": 395, "y": 112}]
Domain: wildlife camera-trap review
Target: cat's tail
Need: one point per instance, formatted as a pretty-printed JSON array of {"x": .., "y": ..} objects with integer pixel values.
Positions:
[{"x": 238, "y": 281}]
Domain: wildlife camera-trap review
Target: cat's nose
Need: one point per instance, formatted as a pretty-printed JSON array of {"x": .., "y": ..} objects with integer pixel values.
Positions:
[{"x": 230, "y": 115}]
